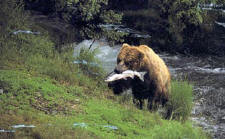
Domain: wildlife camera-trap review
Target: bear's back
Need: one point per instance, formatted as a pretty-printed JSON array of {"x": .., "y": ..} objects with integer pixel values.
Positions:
[{"x": 159, "y": 72}]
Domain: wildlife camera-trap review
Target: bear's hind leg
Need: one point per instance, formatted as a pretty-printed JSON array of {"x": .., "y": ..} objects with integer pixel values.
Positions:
[{"x": 153, "y": 104}]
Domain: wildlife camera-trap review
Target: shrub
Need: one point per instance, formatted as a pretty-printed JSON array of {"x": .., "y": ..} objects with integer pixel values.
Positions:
[
  {"x": 27, "y": 44},
  {"x": 180, "y": 104}
]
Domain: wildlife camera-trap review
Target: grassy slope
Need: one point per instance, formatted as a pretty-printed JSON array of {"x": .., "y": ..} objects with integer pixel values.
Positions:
[{"x": 51, "y": 106}]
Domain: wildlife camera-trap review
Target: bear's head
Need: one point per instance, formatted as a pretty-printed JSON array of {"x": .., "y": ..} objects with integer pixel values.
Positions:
[{"x": 129, "y": 58}]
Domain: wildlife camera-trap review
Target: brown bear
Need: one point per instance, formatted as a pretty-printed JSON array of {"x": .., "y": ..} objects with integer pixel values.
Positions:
[{"x": 156, "y": 85}]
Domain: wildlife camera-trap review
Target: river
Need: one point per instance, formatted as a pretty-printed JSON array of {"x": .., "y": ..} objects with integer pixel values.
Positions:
[{"x": 206, "y": 73}]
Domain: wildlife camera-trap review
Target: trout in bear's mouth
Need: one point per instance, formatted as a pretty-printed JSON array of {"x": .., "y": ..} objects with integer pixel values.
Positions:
[{"x": 124, "y": 75}]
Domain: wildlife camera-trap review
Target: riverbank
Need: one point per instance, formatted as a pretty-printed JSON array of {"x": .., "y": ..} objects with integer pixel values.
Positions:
[
  {"x": 41, "y": 97},
  {"x": 43, "y": 94}
]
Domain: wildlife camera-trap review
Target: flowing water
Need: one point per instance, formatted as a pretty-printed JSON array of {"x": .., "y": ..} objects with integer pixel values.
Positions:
[
  {"x": 208, "y": 76},
  {"x": 206, "y": 73}
]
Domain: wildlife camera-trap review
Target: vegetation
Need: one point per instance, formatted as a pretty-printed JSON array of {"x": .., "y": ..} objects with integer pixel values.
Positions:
[
  {"x": 52, "y": 107},
  {"x": 177, "y": 26},
  {"x": 87, "y": 16},
  {"x": 175, "y": 21},
  {"x": 42, "y": 87},
  {"x": 180, "y": 101}
]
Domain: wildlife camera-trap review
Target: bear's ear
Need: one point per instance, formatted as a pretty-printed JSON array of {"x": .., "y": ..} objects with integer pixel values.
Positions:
[
  {"x": 125, "y": 45},
  {"x": 140, "y": 55}
]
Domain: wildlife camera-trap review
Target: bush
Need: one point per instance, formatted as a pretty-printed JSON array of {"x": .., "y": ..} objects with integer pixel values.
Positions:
[{"x": 180, "y": 101}]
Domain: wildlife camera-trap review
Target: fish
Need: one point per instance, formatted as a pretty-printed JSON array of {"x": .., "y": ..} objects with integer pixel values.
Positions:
[{"x": 124, "y": 75}]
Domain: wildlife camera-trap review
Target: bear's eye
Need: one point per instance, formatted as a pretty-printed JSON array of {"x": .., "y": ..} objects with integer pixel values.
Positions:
[{"x": 127, "y": 63}]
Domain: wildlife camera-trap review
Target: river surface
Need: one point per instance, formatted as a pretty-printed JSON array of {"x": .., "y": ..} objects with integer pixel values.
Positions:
[{"x": 206, "y": 73}]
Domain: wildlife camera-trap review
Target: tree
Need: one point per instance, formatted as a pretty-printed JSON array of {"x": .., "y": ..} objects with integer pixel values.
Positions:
[
  {"x": 88, "y": 15},
  {"x": 178, "y": 20},
  {"x": 184, "y": 17},
  {"x": 85, "y": 15}
]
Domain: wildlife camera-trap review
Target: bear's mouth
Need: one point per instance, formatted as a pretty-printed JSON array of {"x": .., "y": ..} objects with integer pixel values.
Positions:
[{"x": 120, "y": 83}]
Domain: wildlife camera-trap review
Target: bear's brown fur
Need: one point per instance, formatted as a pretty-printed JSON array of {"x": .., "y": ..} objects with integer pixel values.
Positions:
[{"x": 143, "y": 59}]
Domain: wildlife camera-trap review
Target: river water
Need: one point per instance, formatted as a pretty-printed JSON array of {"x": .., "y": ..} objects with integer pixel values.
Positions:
[{"x": 206, "y": 73}]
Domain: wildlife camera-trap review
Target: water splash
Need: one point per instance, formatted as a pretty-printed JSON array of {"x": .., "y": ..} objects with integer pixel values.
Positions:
[
  {"x": 105, "y": 54},
  {"x": 220, "y": 23}
]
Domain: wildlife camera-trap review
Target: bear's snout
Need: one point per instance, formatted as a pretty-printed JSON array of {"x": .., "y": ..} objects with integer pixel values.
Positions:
[
  {"x": 116, "y": 71},
  {"x": 120, "y": 68}
]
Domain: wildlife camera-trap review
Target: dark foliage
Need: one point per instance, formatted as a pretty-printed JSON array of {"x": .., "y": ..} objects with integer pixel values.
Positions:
[
  {"x": 45, "y": 6},
  {"x": 128, "y": 4}
]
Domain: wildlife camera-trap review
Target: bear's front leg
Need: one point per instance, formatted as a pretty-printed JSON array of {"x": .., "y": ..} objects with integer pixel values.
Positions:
[
  {"x": 152, "y": 104},
  {"x": 138, "y": 102}
]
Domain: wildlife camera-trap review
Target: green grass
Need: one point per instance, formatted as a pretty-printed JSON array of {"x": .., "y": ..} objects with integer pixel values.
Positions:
[
  {"x": 51, "y": 106},
  {"x": 25, "y": 91},
  {"x": 133, "y": 123}
]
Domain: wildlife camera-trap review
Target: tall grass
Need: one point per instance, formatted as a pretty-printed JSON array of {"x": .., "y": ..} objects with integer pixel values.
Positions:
[
  {"x": 89, "y": 63},
  {"x": 36, "y": 53},
  {"x": 180, "y": 101}
]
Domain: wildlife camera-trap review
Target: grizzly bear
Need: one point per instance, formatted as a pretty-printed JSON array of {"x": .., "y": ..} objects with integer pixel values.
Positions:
[{"x": 156, "y": 85}]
